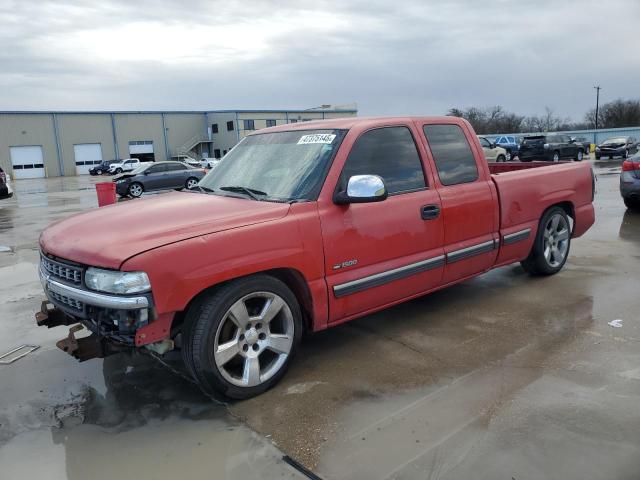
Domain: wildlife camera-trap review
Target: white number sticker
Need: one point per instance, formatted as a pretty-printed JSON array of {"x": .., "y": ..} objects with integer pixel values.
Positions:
[{"x": 316, "y": 138}]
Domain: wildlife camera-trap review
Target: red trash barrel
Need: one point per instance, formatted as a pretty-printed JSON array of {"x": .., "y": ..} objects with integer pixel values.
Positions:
[{"x": 106, "y": 193}]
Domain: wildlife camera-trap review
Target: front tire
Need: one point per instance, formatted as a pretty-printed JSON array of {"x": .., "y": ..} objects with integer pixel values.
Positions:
[
  {"x": 551, "y": 245},
  {"x": 501, "y": 158},
  {"x": 135, "y": 190},
  {"x": 240, "y": 339},
  {"x": 556, "y": 156},
  {"x": 579, "y": 155},
  {"x": 625, "y": 154},
  {"x": 119, "y": 170}
]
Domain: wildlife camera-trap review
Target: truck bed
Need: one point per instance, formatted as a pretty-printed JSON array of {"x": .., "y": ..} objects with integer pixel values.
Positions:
[{"x": 526, "y": 190}]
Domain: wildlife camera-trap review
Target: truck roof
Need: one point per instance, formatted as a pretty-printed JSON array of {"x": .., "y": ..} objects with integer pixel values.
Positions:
[{"x": 350, "y": 122}]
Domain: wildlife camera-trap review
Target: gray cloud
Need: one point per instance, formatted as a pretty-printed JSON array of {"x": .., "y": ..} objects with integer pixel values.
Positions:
[{"x": 413, "y": 57}]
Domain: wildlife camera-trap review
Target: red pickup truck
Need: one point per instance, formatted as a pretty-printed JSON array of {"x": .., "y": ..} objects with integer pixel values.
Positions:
[{"x": 302, "y": 227}]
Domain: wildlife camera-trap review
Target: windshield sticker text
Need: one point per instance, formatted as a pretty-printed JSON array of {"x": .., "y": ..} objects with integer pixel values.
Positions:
[{"x": 316, "y": 138}]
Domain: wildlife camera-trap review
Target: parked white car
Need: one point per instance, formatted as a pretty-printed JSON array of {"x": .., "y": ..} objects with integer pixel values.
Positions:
[
  {"x": 187, "y": 159},
  {"x": 209, "y": 162},
  {"x": 126, "y": 165}
]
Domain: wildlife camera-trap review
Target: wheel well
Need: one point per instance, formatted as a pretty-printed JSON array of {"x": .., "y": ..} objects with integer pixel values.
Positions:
[
  {"x": 568, "y": 209},
  {"x": 292, "y": 278}
]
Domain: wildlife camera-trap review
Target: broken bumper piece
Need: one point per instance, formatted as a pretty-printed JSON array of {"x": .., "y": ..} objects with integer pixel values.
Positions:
[
  {"x": 49, "y": 316},
  {"x": 86, "y": 348}
]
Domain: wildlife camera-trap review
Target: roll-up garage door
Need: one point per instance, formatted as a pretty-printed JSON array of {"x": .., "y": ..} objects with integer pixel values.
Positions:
[
  {"x": 87, "y": 156},
  {"x": 27, "y": 162},
  {"x": 142, "y": 149}
]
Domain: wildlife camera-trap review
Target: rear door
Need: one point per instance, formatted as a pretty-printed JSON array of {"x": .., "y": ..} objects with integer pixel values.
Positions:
[
  {"x": 380, "y": 253},
  {"x": 469, "y": 201}
]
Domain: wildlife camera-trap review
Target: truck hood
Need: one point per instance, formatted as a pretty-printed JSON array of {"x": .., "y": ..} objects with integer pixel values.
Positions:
[{"x": 108, "y": 236}]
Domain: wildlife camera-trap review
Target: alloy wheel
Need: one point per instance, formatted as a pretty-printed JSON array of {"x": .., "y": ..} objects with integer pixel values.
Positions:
[
  {"x": 556, "y": 157},
  {"x": 135, "y": 190},
  {"x": 556, "y": 240},
  {"x": 254, "y": 339},
  {"x": 191, "y": 183}
]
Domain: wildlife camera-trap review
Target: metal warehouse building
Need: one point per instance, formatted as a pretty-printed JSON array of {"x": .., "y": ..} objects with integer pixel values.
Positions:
[{"x": 51, "y": 144}]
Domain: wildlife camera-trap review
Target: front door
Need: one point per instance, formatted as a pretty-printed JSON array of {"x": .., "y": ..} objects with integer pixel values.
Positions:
[
  {"x": 379, "y": 253},
  {"x": 469, "y": 203}
]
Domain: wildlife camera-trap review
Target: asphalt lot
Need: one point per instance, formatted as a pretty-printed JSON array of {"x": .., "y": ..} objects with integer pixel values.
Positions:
[{"x": 504, "y": 376}]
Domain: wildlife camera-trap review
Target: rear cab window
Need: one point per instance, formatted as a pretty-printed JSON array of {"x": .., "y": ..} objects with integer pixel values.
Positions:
[{"x": 452, "y": 154}]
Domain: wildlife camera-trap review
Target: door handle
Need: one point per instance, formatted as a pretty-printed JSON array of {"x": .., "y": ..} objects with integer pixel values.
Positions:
[{"x": 429, "y": 212}]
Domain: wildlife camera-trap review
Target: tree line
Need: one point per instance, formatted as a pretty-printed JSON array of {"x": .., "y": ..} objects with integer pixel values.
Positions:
[{"x": 489, "y": 120}]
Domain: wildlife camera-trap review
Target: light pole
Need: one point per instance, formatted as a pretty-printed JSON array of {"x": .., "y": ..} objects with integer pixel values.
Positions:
[{"x": 597, "y": 87}]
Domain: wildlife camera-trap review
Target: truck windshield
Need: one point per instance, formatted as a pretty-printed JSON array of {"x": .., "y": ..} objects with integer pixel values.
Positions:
[{"x": 279, "y": 166}]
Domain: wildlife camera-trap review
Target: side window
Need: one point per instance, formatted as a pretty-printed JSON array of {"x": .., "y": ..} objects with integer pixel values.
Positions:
[
  {"x": 156, "y": 169},
  {"x": 172, "y": 167},
  {"x": 452, "y": 154},
  {"x": 485, "y": 143},
  {"x": 389, "y": 152}
]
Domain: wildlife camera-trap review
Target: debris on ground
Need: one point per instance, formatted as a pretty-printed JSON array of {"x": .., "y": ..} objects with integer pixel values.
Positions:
[
  {"x": 17, "y": 353},
  {"x": 615, "y": 323}
]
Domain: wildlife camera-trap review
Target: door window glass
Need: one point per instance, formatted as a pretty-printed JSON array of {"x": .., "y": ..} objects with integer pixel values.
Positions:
[
  {"x": 452, "y": 154},
  {"x": 389, "y": 152}
]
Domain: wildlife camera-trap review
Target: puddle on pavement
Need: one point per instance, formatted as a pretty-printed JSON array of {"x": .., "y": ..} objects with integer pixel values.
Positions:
[{"x": 131, "y": 412}]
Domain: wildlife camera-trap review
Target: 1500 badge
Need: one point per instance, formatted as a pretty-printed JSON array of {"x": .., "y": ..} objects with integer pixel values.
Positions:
[{"x": 348, "y": 263}]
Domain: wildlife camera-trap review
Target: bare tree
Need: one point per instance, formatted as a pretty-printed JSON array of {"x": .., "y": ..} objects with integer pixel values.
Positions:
[{"x": 617, "y": 114}]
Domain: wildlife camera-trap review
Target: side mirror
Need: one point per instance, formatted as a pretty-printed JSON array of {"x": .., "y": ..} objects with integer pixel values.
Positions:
[
  {"x": 363, "y": 189},
  {"x": 493, "y": 145}
]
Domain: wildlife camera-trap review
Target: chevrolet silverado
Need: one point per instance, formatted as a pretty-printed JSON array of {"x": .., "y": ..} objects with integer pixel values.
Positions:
[{"x": 300, "y": 228}]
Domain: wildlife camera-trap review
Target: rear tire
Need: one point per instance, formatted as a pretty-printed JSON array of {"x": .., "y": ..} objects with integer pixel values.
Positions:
[
  {"x": 239, "y": 340},
  {"x": 191, "y": 183},
  {"x": 551, "y": 245},
  {"x": 625, "y": 154},
  {"x": 579, "y": 155},
  {"x": 556, "y": 156}
]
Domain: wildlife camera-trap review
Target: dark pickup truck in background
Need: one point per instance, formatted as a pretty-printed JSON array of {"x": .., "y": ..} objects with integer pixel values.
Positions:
[{"x": 551, "y": 147}]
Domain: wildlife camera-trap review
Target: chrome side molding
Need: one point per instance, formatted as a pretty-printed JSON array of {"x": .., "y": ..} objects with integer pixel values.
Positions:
[
  {"x": 516, "y": 236},
  {"x": 388, "y": 276}
]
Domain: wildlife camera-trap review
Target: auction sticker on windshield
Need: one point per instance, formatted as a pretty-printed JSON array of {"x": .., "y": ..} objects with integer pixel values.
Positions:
[{"x": 316, "y": 138}]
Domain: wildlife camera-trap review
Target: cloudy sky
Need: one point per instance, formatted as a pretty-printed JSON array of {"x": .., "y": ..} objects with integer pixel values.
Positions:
[{"x": 391, "y": 57}]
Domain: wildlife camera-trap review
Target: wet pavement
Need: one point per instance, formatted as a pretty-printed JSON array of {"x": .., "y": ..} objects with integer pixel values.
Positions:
[{"x": 504, "y": 376}]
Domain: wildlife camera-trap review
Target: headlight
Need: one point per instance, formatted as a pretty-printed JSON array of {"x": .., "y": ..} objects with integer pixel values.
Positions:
[{"x": 112, "y": 281}]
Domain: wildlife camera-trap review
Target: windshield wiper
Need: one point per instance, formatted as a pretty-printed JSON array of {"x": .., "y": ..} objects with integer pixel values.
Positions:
[{"x": 251, "y": 192}]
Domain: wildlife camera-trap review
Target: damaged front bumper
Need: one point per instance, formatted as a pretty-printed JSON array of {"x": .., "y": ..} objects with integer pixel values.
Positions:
[
  {"x": 83, "y": 348},
  {"x": 113, "y": 320}
]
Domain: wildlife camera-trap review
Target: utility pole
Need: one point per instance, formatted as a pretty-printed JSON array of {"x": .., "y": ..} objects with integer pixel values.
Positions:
[{"x": 597, "y": 87}]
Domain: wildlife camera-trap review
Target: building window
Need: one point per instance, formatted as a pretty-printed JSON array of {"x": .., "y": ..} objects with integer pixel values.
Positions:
[
  {"x": 249, "y": 125},
  {"x": 293, "y": 120},
  {"x": 271, "y": 123},
  {"x": 230, "y": 126},
  {"x": 224, "y": 152},
  {"x": 214, "y": 128}
]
